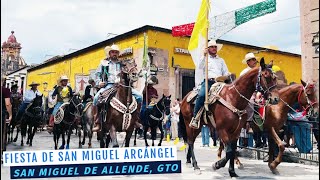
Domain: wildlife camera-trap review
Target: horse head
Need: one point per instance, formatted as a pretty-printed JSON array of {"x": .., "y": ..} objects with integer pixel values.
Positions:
[
  {"x": 165, "y": 102},
  {"x": 76, "y": 107},
  {"x": 129, "y": 71},
  {"x": 35, "y": 108},
  {"x": 308, "y": 99},
  {"x": 267, "y": 82}
]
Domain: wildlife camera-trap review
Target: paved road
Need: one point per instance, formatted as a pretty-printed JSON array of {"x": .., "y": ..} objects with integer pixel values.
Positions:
[{"x": 253, "y": 169}]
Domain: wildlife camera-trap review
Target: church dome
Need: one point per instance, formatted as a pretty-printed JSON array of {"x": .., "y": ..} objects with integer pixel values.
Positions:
[{"x": 12, "y": 38}]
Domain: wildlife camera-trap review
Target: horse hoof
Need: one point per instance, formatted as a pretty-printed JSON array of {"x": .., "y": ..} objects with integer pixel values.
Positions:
[
  {"x": 67, "y": 147},
  {"x": 159, "y": 144},
  {"x": 80, "y": 145},
  {"x": 21, "y": 144},
  {"x": 27, "y": 142},
  {"x": 83, "y": 143},
  {"x": 197, "y": 171},
  {"x": 233, "y": 174},
  {"x": 15, "y": 139},
  {"x": 240, "y": 166},
  {"x": 189, "y": 165},
  {"x": 115, "y": 146},
  {"x": 61, "y": 147}
]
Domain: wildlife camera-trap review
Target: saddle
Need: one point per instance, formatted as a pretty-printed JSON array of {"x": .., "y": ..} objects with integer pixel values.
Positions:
[
  {"x": 106, "y": 96},
  {"x": 87, "y": 106}
]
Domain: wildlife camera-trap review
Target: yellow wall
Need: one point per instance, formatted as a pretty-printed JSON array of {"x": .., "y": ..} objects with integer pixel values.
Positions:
[{"x": 232, "y": 54}]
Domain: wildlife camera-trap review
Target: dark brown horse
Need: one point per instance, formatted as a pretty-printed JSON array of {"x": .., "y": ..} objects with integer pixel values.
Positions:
[
  {"x": 229, "y": 123},
  {"x": 15, "y": 101},
  {"x": 129, "y": 108},
  {"x": 277, "y": 115}
]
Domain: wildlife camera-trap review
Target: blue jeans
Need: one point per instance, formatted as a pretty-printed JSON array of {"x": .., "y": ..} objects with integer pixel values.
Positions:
[
  {"x": 21, "y": 110},
  {"x": 205, "y": 135},
  {"x": 201, "y": 97},
  {"x": 135, "y": 93}
]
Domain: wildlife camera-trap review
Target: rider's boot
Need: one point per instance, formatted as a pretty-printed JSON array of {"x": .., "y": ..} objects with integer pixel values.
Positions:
[
  {"x": 194, "y": 123},
  {"x": 51, "y": 124},
  {"x": 96, "y": 119}
]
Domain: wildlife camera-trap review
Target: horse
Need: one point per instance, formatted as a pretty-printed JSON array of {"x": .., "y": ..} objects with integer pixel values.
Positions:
[
  {"x": 15, "y": 107},
  {"x": 32, "y": 118},
  {"x": 276, "y": 116},
  {"x": 123, "y": 110},
  {"x": 87, "y": 125},
  {"x": 153, "y": 119},
  {"x": 229, "y": 116},
  {"x": 71, "y": 119}
]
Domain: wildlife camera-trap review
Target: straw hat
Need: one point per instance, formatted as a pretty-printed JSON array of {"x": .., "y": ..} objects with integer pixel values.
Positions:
[
  {"x": 247, "y": 57},
  {"x": 34, "y": 84},
  {"x": 214, "y": 43},
  {"x": 63, "y": 78},
  {"x": 111, "y": 48}
]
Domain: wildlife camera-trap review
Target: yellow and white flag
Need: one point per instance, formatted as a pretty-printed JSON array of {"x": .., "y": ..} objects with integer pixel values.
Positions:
[{"x": 198, "y": 39}]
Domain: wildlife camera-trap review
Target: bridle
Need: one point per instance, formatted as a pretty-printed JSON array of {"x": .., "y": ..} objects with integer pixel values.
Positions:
[
  {"x": 309, "y": 108},
  {"x": 162, "y": 112},
  {"x": 78, "y": 113},
  {"x": 259, "y": 85}
]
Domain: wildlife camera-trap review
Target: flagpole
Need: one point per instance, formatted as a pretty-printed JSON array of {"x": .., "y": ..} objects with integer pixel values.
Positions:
[
  {"x": 207, "y": 57},
  {"x": 146, "y": 75}
]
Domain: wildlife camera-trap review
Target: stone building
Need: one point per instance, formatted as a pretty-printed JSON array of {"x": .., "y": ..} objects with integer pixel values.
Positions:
[{"x": 11, "y": 59}]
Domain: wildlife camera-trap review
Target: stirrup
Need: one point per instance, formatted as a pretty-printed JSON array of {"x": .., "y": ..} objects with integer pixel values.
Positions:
[{"x": 194, "y": 123}]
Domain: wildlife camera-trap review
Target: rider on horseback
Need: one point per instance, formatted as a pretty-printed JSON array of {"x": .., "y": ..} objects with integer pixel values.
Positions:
[
  {"x": 64, "y": 94},
  {"x": 15, "y": 94},
  {"x": 216, "y": 68},
  {"x": 107, "y": 74},
  {"x": 89, "y": 92},
  {"x": 28, "y": 97}
]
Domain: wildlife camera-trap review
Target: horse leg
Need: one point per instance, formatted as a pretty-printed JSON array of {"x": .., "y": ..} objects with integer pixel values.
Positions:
[
  {"x": 135, "y": 137},
  {"x": 162, "y": 133},
  {"x": 69, "y": 134},
  {"x": 128, "y": 137},
  {"x": 113, "y": 135},
  {"x": 145, "y": 129},
  {"x": 194, "y": 161},
  {"x": 63, "y": 139},
  {"x": 221, "y": 147},
  {"x": 55, "y": 139},
  {"x": 79, "y": 135},
  {"x": 89, "y": 129},
  {"x": 85, "y": 133},
  {"x": 32, "y": 135},
  {"x": 8, "y": 133},
  {"x": 189, "y": 156},
  {"x": 101, "y": 135},
  {"x": 231, "y": 155},
  {"x": 153, "y": 134},
  {"x": 238, "y": 163},
  {"x": 29, "y": 132},
  {"x": 16, "y": 138},
  {"x": 281, "y": 145}
]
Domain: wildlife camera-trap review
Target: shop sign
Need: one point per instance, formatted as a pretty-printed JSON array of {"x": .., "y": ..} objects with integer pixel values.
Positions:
[
  {"x": 127, "y": 51},
  {"x": 181, "y": 51}
]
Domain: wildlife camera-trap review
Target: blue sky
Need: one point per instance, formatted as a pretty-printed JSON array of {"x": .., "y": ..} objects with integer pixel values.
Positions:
[{"x": 46, "y": 27}]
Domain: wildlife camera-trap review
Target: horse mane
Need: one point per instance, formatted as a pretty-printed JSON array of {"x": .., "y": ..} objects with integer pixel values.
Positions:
[
  {"x": 251, "y": 72},
  {"x": 289, "y": 88}
]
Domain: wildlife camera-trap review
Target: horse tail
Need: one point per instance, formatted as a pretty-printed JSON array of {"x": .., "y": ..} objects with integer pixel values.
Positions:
[{"x": 182, "y": 126}]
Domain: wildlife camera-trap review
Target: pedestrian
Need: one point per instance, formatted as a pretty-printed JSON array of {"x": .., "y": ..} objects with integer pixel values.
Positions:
[
  {"x": 205, "y": 135},
  {"x": 175, "y": 111},
  {"x": 6, "y": 113}
]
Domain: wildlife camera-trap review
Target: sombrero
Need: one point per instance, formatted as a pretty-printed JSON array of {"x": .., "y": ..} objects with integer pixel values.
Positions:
[
  {"x": 247, "y": 57},
  {"x": 63, "y": 78},
  {"x": 111, "y": 48},
  {"x": 214, "y": 43},
  {"x": 34, "y": 84}
]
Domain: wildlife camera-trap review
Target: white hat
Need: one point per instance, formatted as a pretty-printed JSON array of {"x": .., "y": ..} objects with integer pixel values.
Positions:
[
  {"x": 247, "y": 57},
  {"x": 34, "y": 84},
  {"x": 63, "y": 78},
  {"x": 109, "y": 48},
  {"x": 214, "y": 43}
]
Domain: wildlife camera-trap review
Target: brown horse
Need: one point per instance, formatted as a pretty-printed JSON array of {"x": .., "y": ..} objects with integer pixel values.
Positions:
[
  {"x": 229, "y": 123},
  {"x": 277, "y": 115},
  {"x": 114, "y": 118}
]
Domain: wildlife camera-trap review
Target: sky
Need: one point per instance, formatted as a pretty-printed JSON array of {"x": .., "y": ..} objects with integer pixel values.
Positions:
[{"x": 46, "y": 28}]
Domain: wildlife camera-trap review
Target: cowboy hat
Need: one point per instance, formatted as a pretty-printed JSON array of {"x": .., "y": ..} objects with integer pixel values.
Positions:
[
  {"x": 63, "y": 78},
  {"x": 153, "y": 80},
  {"x": 247, "y": 57},
  {"x": 34, "y": 84},
  {"x": 14, "y": 86},
  {"x": 214, "y": 43},
  {"x": 111, "y": 48}
]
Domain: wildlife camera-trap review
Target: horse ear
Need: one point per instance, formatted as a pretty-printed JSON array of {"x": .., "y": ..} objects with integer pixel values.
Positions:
[
  {"x": 170, "y": 96},
  {"x": 262, "y": 63},
  {"x": 163, "y": 95},
  {"x": 303, "y": 83}
]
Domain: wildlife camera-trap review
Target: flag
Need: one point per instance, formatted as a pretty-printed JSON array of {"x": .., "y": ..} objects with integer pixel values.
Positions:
[
  {"x": 223, "y": 23},
  {"x": 182, "y": 30},
  {"x": 198, "y": 40},
  {"x": 145, "y": 63}
]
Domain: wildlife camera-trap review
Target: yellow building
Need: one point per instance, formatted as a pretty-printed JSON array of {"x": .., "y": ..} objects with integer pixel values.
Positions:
[{"x": 173, "y": 64}]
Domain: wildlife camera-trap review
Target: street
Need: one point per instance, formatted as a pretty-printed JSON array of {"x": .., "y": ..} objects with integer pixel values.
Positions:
[{"x": 253, "y": 169}]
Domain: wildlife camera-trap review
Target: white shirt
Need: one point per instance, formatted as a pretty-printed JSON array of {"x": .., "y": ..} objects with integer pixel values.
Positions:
[
  {"x": 216, "y": 67},
  {"x": 245, "y": 70},
  {"x": 175, "y": 112},
  {"x": 29, "y": 95},
  {"x": 113, "y": 74}
]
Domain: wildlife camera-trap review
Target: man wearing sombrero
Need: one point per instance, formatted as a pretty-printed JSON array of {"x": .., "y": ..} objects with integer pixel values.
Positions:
[
  {"x": 107, "y": 74},
  {"x": 216, "y": 68},
  {"x": 251, "y": 61},
  {"x": 64, "y": 94},
  {"x": 28, "y": 97},
  {"x": 15, "y": 93}
]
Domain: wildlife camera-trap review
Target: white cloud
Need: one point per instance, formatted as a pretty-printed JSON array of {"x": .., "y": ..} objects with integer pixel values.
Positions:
[{"x": 46, "y": 27}]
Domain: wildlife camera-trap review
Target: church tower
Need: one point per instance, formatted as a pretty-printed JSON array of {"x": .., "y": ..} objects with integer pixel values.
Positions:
[{"x": 11, "y": 59}]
